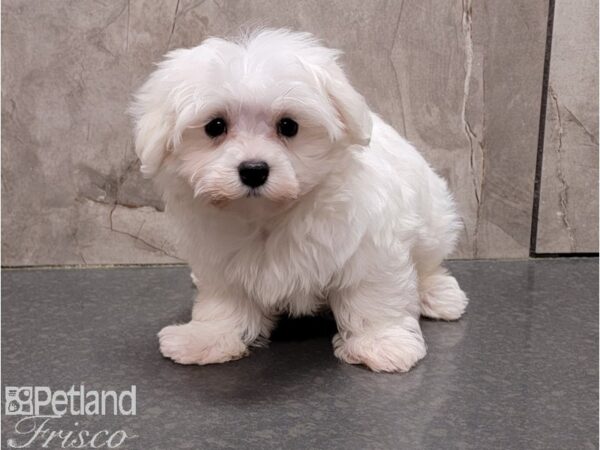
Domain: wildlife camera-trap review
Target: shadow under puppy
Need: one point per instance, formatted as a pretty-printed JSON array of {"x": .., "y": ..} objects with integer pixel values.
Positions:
[{"x": 289, "y": 195}]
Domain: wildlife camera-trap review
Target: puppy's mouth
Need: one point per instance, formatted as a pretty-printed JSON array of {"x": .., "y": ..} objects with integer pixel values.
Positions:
[
  {"x": 254, "y": 193},
  {"x": 221, "y": 201},
  {"x": 223, "y": 194}
]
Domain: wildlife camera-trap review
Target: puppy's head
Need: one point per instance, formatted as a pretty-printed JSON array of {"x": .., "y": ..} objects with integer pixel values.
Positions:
[{"x": 267, "y": 117}]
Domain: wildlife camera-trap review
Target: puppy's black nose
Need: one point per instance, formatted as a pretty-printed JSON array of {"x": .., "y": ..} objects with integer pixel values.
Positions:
[{"x": 253, "y": 173}]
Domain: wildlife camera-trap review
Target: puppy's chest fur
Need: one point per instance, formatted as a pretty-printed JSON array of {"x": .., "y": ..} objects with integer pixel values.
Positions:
[
  {"x": 282, "y": 269},
  {"x": 292, "y": 261},
  {"x": 287, "y": 266}
]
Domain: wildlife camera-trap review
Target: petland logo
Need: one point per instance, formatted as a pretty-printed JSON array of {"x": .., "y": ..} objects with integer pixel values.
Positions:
[{"x": 42, "y": 408}]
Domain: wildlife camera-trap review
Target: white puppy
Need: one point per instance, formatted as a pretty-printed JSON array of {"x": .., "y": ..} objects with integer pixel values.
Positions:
[{"x": 290, "y": 196}]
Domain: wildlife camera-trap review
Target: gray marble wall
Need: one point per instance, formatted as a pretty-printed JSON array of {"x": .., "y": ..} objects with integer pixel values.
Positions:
[
  {"x": 568, "y": 215},
  {"x": 460, "y": 79}
]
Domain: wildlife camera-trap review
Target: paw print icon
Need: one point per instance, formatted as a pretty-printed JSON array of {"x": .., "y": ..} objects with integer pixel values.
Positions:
[{"x": 18, "y": 400}]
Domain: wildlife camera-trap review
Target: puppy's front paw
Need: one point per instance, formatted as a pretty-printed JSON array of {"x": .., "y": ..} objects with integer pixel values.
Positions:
[
  {"x": 197, "y": 343},
  {"x": 392, "y": 349}
]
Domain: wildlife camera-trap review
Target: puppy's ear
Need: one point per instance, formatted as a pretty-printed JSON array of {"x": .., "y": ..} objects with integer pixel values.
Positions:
[
  {"x": 154, "y": 117},
  {"x": 152, "y": 136},
  {"x": 351, "y": 106}
]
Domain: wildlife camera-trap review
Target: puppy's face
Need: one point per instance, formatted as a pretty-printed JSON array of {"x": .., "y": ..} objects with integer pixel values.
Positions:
[
  {"x": 258, "y": 138},
  {"x": 265, "y": 119}
]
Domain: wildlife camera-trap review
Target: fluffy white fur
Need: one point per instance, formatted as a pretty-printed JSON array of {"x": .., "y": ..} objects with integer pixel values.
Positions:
[{"x": 351, "y": 216}]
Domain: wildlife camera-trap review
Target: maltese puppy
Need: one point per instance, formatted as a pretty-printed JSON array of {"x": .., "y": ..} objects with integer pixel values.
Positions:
[{"x": 290, "y": 196}]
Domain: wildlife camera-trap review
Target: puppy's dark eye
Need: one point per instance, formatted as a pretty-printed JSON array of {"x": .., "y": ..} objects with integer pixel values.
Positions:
[
  {"x": 216, "y": 127},
  {"x": 287, "y": 127}
]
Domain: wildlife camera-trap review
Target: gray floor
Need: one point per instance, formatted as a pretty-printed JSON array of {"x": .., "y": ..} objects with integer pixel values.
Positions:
[{"x": 520, "y": 370}]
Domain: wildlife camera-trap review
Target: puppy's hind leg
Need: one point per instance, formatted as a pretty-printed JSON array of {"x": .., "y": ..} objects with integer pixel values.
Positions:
[
  {"x": 441, "y": 296},
  {"x": 439, "y": 292}
]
